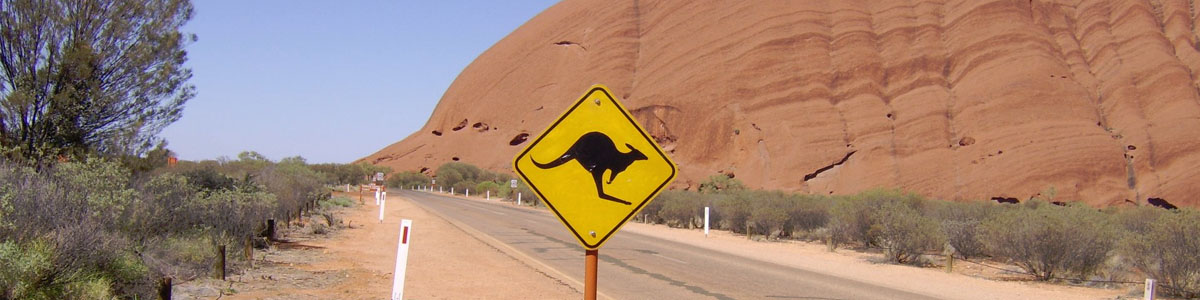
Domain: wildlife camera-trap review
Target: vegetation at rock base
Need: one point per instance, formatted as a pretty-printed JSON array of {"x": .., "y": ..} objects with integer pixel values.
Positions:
[
  {"x": 1048, "y": 241},
  {"x": 463, "y": 176}
]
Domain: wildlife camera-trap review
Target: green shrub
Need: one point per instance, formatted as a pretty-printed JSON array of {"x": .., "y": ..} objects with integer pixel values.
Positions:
[
  {"x": 337, "y": 201},
  {"x": 462, "y": 186},
  {"x": 451, "y": 173},
  {"x": 1168, "y": 250},
  {"x": 734, "y": 209},
  {"x": 483, "y": 188},
  {"x": 769, "y": 215},
  {"x": 528, "y": 197},
  {"x": 959, "y": 223},
  {"x": 808, "y": 212},
  {"x": 905, "y": 233},
  {"x": 23, "y": 268},
  {"x": 679, "y": 208},
  {"x": 1046, "y": 240},
  {"x": 408, "y": 179},
  {"x": 721, "y": 183}
]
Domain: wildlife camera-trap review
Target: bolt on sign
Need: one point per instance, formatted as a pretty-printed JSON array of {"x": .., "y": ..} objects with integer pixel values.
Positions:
[{"x": 595, "y": 167}]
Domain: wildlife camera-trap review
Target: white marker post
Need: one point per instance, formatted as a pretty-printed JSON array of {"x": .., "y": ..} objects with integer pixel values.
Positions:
[
  {"x": 489, "y": 195},
  {"x": 347, "y": 187},
  {"x": 518, "y": 199},
  {"x": 468, "y": 192},
  {"x": 1148, "y": 294},
  {"x": 451, "y": 190},
  {"x": 401, "y": 259},
  {"x": 381, "y": 205},
  {"x": 706, "y": 221},
  {"x": 376, "y": 196}
]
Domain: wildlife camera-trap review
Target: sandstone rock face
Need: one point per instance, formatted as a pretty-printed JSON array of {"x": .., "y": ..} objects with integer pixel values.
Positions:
[{"x": 958, "y": 100}]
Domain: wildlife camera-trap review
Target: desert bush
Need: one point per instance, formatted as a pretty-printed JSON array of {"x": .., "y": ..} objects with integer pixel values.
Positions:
[
  {"x": 230, "y": 216},
  {"x": 408, "y": 179},
  {"x": 337, "y": 201},
  {"x": 721, "y": 183},
  {"x": 488, "y": 186},
  {"x": 856, "y": 217},
  {"x": 528, "y": 197},
  {"x": 1167, "y": 250},
  {"x": 808, "y": 212},
  {"x": 451, "y": 173},
  {"x": 464, "y": 185},
  {"x": 959, "y": 223},
  {"x": 905, "y": 233},
  {"x": 679, "y": 208},
  {"x": 769, "y": 215},
  {"x": 1046, "y": 240},
  {"x": 353, "y": 174},
  {"x": 208, "y": 178},
  {"x": 734, "y": 208}
]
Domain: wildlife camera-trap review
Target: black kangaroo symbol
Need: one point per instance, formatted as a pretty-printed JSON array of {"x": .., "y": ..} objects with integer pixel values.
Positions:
[{"x": 597, "y": 153}]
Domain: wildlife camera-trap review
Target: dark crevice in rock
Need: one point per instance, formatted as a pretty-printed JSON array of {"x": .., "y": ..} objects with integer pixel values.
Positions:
[
  {"x": 424, "y": 169},
  {"x": 1159, "y": 202},
  {"x": 480, "y": 126},
  {"x": 460, "y": 126},
  {"x": 1008, "y": 200},
  {"x": 454, "y": 158},
  {"x": 814, "y": 174},
  {"x": 570, "y": 43},
  {"x": 437, "y": 133},
  {"x": 966, "y": 141},
  {"x": 517, "y": 140}
]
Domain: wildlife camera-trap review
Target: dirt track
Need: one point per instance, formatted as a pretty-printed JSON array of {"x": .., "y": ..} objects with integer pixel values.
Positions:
[{"x": 356, "y": 262}]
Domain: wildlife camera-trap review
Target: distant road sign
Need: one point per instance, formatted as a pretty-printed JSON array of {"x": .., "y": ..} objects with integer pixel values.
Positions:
[
  {"x": 595, "y": 167},
  {"x": 378, "y": 176},
  {"x": 513, "y": 183}
]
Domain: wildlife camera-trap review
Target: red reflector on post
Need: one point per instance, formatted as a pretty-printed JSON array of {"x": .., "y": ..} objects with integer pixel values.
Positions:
[{"x": 404, "y": 240}]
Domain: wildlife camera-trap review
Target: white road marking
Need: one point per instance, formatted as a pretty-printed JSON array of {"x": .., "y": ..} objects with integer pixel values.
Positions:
[{"x": 670, "y": 259}]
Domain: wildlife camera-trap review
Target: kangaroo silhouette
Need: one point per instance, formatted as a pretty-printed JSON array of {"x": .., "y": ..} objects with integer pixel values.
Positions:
[{"x": 597, "y": 153}]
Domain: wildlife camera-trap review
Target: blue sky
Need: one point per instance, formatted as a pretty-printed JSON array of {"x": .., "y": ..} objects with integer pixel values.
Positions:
[{"x": 331, "y": 81}]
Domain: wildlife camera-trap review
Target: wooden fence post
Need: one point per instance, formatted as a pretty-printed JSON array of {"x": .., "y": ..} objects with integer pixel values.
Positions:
[
  {"x": 164, "y": 288},
  {"x": 270, "y": 229},
  {"x": 250, "y": 250},
  {"x": 219, "y": 265}
]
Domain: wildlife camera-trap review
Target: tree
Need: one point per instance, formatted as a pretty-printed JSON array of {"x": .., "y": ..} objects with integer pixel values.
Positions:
[{"x": 82, "y": 76}]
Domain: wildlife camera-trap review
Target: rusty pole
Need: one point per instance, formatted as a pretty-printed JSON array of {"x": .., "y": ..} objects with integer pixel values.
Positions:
[{"x": 589, "y": 277}]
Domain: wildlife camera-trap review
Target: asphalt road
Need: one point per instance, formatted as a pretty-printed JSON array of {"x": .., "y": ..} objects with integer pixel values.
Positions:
[{"x": 634, "y": 266}]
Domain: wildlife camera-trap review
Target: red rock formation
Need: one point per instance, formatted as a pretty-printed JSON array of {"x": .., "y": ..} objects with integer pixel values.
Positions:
[{"x": 952, "y": 99}]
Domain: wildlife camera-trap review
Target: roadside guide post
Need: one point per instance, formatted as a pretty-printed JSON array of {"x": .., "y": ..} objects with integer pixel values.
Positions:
[
  {"x": 706, "y": 221},
  {"x": 401, "y": 260},
  {"x": 612, "y": 153}
]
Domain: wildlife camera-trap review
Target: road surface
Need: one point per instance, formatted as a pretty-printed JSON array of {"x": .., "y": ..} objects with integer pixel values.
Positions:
[{"x": 635, "y": 266}]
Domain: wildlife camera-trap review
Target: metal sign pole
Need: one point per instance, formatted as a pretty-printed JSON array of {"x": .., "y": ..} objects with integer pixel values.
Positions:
[{"x": 589, "y": 277}]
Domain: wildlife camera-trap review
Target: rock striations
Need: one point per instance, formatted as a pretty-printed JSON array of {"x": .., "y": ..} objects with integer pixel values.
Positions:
[{"x": 960, "y": 100}]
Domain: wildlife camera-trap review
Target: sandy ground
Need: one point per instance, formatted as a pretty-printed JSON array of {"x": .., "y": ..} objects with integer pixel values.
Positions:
[{"x": 356, "y": 262}]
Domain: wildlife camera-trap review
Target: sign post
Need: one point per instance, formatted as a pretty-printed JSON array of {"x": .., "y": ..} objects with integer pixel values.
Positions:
[{"x": 595, "y": 167}]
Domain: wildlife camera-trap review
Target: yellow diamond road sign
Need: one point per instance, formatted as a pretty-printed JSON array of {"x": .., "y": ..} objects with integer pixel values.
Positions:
[{"x": 595, "y": 167}]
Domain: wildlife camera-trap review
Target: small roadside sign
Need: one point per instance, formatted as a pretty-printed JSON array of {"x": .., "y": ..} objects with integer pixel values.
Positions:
[
  {"x": 513, "y": 183},
  {"x": 595, "y": 167}
]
